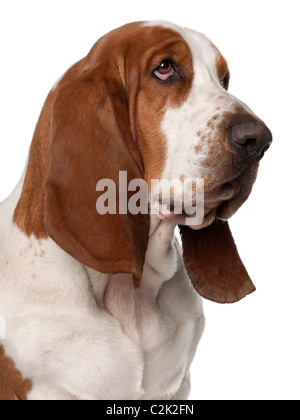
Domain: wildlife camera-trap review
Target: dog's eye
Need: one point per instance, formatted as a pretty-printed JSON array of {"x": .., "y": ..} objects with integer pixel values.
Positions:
[
  {"x": 225, "y": 81},
  {"x": 165, "y": 70}
]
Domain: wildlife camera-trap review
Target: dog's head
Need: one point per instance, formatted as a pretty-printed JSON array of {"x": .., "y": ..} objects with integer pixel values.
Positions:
[
  {"x": 189, "y": 126},
  {"x": 151, "y": 100}
]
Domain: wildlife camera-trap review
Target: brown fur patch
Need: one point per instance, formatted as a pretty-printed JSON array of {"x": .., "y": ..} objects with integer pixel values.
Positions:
[
  {"x": 222, "y": 69},
  {"x": 29, "y": 213},
  {"x": 214, "y": 265},
  {"x": 12, "y": 385}
]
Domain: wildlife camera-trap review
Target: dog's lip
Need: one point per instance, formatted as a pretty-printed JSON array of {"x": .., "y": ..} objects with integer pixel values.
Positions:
[
  {"x": 229, "y": 191},
  {"x": 236, "y": 191},
  {"x": 235, "y": 200},
  {"x": 213, "y": 203},
  {"x": 167, "y": 210},
  {"x": 232, "y": 191}
]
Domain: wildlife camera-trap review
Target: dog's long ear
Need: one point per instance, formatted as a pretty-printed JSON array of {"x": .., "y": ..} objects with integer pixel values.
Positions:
[
  {"x": 91, "y": 140},
  {"x": 214, "y": 265}
]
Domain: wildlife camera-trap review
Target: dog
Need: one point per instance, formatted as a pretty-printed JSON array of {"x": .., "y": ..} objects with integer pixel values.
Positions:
[{"x": 108, "y": 306}]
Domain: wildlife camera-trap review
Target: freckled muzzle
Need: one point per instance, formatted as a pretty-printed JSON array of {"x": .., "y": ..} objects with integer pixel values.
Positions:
[{"x": 241, "y": 141}]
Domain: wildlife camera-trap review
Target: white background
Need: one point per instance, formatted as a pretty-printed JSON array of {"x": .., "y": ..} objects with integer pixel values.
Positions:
[{"x": 250, "y": 350}]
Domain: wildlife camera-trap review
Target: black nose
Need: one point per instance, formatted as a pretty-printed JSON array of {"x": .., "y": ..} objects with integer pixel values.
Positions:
[{"x": 251, "y": 136}]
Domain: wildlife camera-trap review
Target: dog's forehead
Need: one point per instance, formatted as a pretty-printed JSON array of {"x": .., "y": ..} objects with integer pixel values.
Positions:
[{"x": 203, "y": 51}]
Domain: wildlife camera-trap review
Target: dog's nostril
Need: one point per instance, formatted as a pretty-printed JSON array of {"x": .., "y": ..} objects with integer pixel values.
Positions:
[
  {"x": 267, "y": 147},
  {"x": 250, "y": 144},
  {"x": 251, "y": 136},
  {"x": 264, "y": 150}
]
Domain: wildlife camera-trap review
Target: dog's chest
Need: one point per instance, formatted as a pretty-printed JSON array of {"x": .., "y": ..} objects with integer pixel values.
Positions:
[{"x": 165, "y": 325}]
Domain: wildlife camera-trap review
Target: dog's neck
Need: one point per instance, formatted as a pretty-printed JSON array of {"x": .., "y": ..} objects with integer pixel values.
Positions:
[
  {"x": 161, "y": 257},
  {"x": 161, "y": 263},
  {"x": 133, "y": 308}
]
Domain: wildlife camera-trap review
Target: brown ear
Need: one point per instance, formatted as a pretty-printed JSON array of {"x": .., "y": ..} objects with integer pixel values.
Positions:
[
  {"x": 214, "y": 265},
  {"x": 90, "y": 140}
]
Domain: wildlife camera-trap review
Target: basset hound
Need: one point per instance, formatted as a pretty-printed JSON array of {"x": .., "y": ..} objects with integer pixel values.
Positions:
[{"x": 108, "y": 307}]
